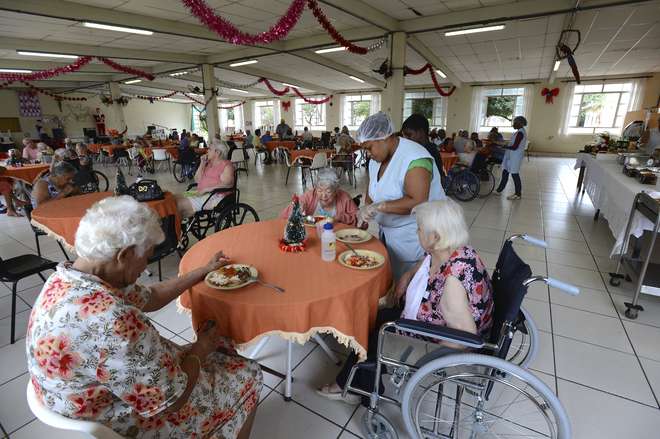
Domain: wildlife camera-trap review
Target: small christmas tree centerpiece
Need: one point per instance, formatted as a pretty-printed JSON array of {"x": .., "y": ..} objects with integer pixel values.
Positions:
[{"x": 294, "y": 231}]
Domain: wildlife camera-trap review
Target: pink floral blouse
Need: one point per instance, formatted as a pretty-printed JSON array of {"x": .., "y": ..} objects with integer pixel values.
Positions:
[{"x": 94, "y": 355}]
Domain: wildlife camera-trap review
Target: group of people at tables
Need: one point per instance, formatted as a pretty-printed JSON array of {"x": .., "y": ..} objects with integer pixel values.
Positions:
[{"x": 93, "y": 353}]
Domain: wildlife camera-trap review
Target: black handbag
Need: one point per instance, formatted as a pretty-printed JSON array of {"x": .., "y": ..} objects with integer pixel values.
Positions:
[{"x": 146, "y": 190}]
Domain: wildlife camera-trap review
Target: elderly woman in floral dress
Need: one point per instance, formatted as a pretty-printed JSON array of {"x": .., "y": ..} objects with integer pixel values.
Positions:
[{"x": 93, "y": 354}]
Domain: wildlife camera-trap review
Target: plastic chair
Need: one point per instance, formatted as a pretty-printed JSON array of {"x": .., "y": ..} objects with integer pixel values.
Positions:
[
  {"x": 319, "y": 161},
  {"x": 52, "y": 419},
  {"x": 160, "y": 156}
]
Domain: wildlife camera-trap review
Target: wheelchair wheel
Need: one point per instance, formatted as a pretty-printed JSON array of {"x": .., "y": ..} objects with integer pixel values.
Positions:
[
  {"x": 479, "y": 396},
  {"x": 377, "y": 426},
  {"x": 465, "y": 185},
  {"x": 101, "y": 181},
  {"x": 178, "y": 171},
  {"x": 525, "y": 343},
  {"x": 486, "y": 183},
  {"x": 235, "y": 215}
]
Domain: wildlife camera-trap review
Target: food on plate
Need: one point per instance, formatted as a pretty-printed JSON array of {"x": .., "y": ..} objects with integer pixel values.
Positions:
[
  {"x": 361, "y": 261},
  {"x": 229, "y": 276},
  {"x": 353, "y": 235}
]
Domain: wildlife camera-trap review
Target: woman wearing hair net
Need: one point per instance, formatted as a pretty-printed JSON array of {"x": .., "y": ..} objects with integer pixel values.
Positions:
[
  {"x": 401, "y": 176},
  {"x": 513, "y": 157}
]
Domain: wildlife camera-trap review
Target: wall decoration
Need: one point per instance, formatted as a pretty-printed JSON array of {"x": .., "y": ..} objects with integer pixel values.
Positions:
[
  {"x": 28, "y": 104},
  {"x": 409, "y": 71},
  {"x": 99, "y": 120},
  {"x": 286, "y": 105},
  {"x": 549, "y": 94}
]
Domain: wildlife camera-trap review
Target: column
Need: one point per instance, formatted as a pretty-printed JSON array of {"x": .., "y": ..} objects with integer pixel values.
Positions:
[
  {"x": 393, "y": 94},
  {"x": 117, "y": 109},
  {"x": 208, "y": 78}
]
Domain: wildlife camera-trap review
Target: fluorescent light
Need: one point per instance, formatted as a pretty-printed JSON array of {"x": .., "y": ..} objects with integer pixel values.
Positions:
[
  {"x": 130, "y": 30},
  {"x": 474, "y": 30},
  {"x": 332, "y": 49},
  {"x": 290, "y": 85},
  {"x": 178, "y": 73},
  {"x": 556, "y": 67},
  {"x": 243, "y": 63},
  {"x": 133, "y": 81},
  {"x": 240, "y": 91},
  {"x": 15, "y": 71},
  {"x": 441, "y": 73},
  {"x": 356, "y": 79},
  {"x": 44, "y": 54}
]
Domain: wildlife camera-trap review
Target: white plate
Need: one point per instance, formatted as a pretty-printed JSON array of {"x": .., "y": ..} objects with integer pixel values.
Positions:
[
  {"x": 380, "y": 259},
  {"x": 353, "y": 236},
  {"x": 253, "y": 272}
]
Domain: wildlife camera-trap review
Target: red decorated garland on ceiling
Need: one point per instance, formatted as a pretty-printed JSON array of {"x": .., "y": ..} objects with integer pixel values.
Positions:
[
  {"x": 34, "y": 88},
  {"x": 228, "y": 107},
  {"x": 151, "y": 99},
  {"x": 312, "y": 101},
  {"x": 330, "y": 29},
  {"x": 287, "y": 89},
  {"x": 272, "y": 89},
  {"x": 408, "y": 71},
  {"x": 73, "y": 67},
  {"x": 125, "y": 69}
]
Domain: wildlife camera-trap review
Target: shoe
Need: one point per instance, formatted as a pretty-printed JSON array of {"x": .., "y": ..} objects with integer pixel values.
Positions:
[
  {"x": 513, "y": 197},
  {"x": 351, "y": 398}
]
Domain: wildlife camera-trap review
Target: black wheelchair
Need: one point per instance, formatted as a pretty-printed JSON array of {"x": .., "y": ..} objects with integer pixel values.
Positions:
[
  {"x": 185, "y": 167},
  {"x": 228, "y": 212},
  {"x": 466, "y": 183},
  {"x": 482, "y": 390}
]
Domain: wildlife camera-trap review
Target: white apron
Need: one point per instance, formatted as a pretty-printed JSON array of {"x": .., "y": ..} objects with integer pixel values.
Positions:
[
  {"x": 513, "y": 158},
  {"x": 399, "y": 232}
]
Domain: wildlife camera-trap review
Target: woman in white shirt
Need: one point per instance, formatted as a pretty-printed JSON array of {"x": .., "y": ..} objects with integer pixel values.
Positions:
[{"x": 513, "y": 156}]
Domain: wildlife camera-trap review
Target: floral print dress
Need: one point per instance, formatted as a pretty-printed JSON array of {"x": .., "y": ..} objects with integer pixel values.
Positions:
[
  {"x": 94, "y": 355},
  {"x": 466, "y": 266}
]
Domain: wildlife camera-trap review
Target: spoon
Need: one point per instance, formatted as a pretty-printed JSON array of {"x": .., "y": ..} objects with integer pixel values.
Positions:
[
  {"x": 260, "y": 282},
  {"x": 351, "y": 248}
]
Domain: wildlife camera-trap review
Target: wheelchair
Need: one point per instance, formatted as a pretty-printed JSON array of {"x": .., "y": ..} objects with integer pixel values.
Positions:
[
  {"x": 185, "y": 167},
  {"x": 466, "y": 183},
  {"x": 229, "y": 212},
  {"x": 482, "y": 392}
]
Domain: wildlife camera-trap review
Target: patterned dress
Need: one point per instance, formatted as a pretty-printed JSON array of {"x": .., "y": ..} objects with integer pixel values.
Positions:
[
  {"x": 94, "y": 355},
  {"x": 465, "y": 265}
]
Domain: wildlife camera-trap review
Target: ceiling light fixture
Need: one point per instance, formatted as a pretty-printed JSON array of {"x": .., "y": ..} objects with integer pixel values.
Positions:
[
  {"x": 290, "y": 85},
  {"x": 474, "y": 30},
  {"x": 243, "y": 63},
  {"x": 129, "y": 30},
  {"x": 356, "y": 79},
  {"x": 441, "y": 73},
  {"x": 240, "y": 91},
  {"x": 44, "y": 54},
  {"x": 15, "y": 71},
  {"x": 132, "y": 81},
  {"x": 556, "y": 67},
  {"x": 331, "y": 49},
  {"x": 178, "y": 73}
]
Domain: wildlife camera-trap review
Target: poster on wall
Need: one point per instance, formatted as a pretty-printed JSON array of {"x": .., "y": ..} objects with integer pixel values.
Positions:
[{"x": 28, "y": 104}]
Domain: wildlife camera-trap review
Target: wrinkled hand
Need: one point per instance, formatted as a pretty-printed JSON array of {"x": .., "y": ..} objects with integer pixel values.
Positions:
[
  {"x": 207, "y": 340},
  {"x": 218, "y": 260}
]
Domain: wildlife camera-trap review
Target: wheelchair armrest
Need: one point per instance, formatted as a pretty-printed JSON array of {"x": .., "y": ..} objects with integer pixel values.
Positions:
[
  {"x": 444, "y": 333},
  {"x": 221, "y": 190},
  {"x": 191, "y": 185}
]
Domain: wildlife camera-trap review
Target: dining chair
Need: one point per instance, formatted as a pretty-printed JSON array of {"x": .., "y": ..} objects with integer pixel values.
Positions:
[
  {"x": 300, "y": 162},
  {"x": 319, "y": 162},
  {"x": 161, "y": 156},
  {"x": 239, "y": 158}
]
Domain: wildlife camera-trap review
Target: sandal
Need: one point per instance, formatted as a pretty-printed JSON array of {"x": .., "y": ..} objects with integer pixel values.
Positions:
[{"x": 325, "y": 392}]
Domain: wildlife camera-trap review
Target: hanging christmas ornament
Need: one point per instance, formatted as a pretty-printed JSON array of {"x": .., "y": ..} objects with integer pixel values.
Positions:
[{"x": 549, "y": 94}]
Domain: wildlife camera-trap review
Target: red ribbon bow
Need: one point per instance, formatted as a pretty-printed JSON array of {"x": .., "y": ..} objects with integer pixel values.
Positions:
[{"x": 549, "y": 94}]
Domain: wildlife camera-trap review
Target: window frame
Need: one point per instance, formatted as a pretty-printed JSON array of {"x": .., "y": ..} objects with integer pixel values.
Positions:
[
  {"x": 484, "y": 107},
  {"x": 439, "y": 104},
  {"x": 591, "y": 130},
  {"x": 298, "y": 103},
  {"x": 348, "y": 100},
  {"x": 258, "y": 121}
]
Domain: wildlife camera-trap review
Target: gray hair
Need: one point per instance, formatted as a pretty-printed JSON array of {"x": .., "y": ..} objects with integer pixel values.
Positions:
[
  {"x": 116, "y": 223},
  {"x": 62, "y": 168},
  {"x": 445, "y": 219},
  {"x": 328, "y": 178},
  {"x": 220, "y": 147}
]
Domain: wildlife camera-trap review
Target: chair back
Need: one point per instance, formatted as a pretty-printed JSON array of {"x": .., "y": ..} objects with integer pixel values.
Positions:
[
  {"x": 325, "y": 138},
  {"x": 159, "y": 154},
  {"x": 132, "y": 153},
  {"x": 52, "y": 419},
  {"x": 237, "y": 155},
  {"x": 320, "y": 160},
  {"x": 169, "y": 245}
]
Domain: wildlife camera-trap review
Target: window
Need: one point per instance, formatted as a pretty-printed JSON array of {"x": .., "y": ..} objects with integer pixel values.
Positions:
[
  {"x": 263, "y": 115},
  {"x": 428, "y": 103},
  {"x": 310, "y": 115},
  {"x": 599, "y": 107},
  {"x": 499, "y": 106},
  {"x": 199, "y": 122},
  {"x": 356, "y": 108},
  {"x": 231, "y": 119}
]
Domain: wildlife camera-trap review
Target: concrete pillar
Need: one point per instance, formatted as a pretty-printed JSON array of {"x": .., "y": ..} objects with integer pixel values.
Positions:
[
  {"x": 117, "y": 109},
  {"x": 393, "y": 94},
  {"x": 208, "y": 78}
]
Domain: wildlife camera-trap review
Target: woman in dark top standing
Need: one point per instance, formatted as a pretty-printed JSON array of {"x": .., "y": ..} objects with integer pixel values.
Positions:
[{"x": 513, "y": 156}]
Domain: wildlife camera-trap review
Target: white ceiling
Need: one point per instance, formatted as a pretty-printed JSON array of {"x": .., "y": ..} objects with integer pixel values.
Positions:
[{"x": 615, "y": 40}]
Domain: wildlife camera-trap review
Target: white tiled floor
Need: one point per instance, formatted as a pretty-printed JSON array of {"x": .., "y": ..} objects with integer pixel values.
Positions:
[{"x": 605, "y": 367}]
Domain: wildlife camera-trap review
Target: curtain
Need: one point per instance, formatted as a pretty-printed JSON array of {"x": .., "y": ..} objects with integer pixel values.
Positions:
[
  {"x": 528, "y": 96},
  {"x": 566, "y": 104},
  {"x": 239, "y": 116},
  {"x": 477, "y": 108},
  {"x": 637, "y": 94},
  {"x": 277, "y": 112},
  {"x": 375, "y": 103}
]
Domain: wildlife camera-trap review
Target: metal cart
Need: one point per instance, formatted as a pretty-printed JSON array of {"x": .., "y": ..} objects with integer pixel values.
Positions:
[{"x": 640, "y": 270}]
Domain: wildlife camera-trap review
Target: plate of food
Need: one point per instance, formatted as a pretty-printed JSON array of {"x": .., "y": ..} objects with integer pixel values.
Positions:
[
  {"x": 311, "y": 221},
  {"x": 363, "y": 260},
  {"x": 231, "y": 277},
  {"x": 353, "y": 236}
]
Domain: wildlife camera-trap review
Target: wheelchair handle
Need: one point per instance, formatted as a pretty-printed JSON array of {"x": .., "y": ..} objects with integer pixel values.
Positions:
[
  {"x": 561, "y": 285},
  {"x": 531, "y": 239}
]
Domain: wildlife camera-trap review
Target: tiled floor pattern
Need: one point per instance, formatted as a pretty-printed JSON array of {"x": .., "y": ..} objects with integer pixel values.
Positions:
[{"x": 604, "y": 367}]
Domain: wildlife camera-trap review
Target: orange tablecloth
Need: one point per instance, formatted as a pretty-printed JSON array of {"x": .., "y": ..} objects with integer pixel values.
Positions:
[
  {"x": 320, "y": 297},
  {"x": 449, "y": 159},
  {"x": 309, "y": 153},
  {"x": 288, "y": 144},
  {"x": 60, "y": 218},
  {"x": 26, "y": 173}
]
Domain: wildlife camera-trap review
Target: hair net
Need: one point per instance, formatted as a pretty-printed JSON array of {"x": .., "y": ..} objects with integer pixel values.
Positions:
[{"x": 375, "y": 127}]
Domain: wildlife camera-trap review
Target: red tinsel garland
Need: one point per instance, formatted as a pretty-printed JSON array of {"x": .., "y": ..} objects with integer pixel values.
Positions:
[
  {"x": 232, "y": 34},
  {"x": 286, "y": 90},
  {"x": 329, "y": 28},
  {"x": 73, "y": 67},
  {"x": 272, "y": 89},
  {"x": 52, "y": 95},
  {"x": 408, "y": 71},
  {"x": 126, "y": 69},
  {"x": 312, "y": 101}
]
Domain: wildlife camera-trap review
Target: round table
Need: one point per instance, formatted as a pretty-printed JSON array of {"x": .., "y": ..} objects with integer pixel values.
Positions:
[
  {"x": 26, "y": 173},
  {"x": 273, "y": 144},
  {"x": 60, "y": 218},
  {"x": 310, "y": 153}
]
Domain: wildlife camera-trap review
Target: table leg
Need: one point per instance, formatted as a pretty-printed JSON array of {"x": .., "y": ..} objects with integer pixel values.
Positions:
[
  {"x": 289, "y": 371},
  {"x": 326, "y": 349},
  {"x": 253, "y": 352},
  {"x": 580, "y": 177}
]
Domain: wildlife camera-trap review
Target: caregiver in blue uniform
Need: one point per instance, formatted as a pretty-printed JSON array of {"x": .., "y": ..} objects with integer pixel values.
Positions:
[{"x": 513, "y": 157}]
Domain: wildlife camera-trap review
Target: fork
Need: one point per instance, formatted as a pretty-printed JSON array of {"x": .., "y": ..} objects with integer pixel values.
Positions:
[
  {"x": 351, "y": 248},
  {"x": 265, "y": 284}
]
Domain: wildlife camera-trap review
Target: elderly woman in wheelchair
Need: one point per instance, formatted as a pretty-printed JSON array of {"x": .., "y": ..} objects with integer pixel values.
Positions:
[{"x": 448, "y": 346}]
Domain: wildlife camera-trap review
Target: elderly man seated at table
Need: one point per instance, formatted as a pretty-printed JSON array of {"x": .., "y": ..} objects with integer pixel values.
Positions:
[
  {"x": 30, "y": 151},
  {"x": 449, "y": 287},
  {"x": 93, "y": 354},
  {"x": 214, "y": 171},
  {"x": 327, "y": 200},
  {"x": 55, "y": 185}
]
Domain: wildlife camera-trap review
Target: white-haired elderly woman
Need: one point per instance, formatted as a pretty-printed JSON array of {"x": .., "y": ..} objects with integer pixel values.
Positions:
[
  {"x": 449, "y": 287},
  {"x": 327, "y": 200},
  {"x": 93, "y": 353},
  {"x": 214, "y": 171}
]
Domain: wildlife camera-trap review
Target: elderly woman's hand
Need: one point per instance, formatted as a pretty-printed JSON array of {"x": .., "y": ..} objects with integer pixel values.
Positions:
[{"x": 218, "y": 260}]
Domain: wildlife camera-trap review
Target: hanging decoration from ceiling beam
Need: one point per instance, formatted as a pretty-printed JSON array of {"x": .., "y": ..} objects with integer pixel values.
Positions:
[
  {"x": 287, "y": 89},
  {"x": 409, "y": 71},
  {"x": 230, "y": 33},
  {"x": 36, "y": 89},
  {"x": 41, "y": 75}
]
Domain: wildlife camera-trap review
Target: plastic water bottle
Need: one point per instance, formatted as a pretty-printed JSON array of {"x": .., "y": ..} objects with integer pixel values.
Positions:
[{"x": 328, "y": 243}]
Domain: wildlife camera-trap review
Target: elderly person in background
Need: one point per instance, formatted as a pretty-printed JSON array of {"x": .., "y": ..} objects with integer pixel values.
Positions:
[
  {"x": 84, "y": 157},
  {"x": 55, "y": 185},
  {"x": 30, "y": 151},
  {"x": 45, "y": 153},
  {"x": 93, "y": 354},
  {"x": 213, "y": 172},
  {"x": 281, "y": 129},
  {"x": 327, "y": 200},
  {"x": 345, "y": 141},
  {"x": 448, "y": 287}
]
